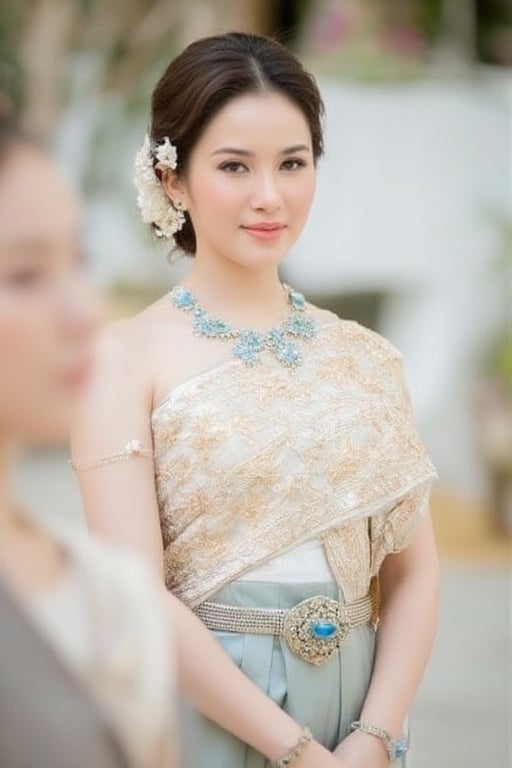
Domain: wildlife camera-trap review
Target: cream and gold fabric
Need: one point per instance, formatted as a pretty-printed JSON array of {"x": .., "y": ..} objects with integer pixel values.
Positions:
[
  {"x": 107, "y": 622},
  {"x": 251, "y": 461}
]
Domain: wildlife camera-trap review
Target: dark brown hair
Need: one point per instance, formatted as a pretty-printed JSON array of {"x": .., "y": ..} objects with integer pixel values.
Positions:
[{"x": 212, "y": 71}]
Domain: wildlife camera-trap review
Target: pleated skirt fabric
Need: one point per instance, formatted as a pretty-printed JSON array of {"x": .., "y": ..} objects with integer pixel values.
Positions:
[{"x": 327, "y": 698}]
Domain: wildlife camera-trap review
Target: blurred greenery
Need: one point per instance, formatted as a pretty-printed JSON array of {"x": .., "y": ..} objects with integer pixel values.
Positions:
[
  {"x": 11, "y": 75},
  {"x": 498, "y": 361},
  {"x": 429, "y": 14},
  {"x": 502, "y": 363}
]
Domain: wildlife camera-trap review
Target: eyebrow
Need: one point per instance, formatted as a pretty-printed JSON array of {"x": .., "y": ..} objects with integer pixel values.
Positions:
[{"x": 246, "y": 153}]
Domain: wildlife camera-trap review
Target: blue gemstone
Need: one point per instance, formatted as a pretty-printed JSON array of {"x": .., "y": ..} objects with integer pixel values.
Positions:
[
  {"x": 297, "y": 299},
  {"x": 210, "y": 326},
  {"x": 323, "y": 629},
  {"x": 288, "y": 353},
  {"x": 275, "y": 337},
  {"x": 183, "y": 298},
  {"x": 401, "y": 748},
  {"x": 248, "y": 347},
  {"x": 301, "y": 325}
]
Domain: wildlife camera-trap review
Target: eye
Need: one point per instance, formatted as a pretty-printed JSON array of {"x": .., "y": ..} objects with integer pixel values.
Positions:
[
  {"x": 233, "y": 166},
  {"x": 25, "y": 277},
  {"x": 293, "y": 164}
]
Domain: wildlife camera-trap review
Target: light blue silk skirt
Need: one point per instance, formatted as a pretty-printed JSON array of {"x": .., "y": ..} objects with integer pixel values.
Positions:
[{"x": 328, "y": 698}]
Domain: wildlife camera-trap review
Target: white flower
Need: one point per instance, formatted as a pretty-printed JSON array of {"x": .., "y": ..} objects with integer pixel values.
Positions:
[
  {"x": 166, "y": 154},
  {"x": 153, "y": 202}
]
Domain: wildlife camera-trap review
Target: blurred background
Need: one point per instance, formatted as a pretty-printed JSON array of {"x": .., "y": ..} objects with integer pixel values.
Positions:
[{"x": 411, "y": 234}]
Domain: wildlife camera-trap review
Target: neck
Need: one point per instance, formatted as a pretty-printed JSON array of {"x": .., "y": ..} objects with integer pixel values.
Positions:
[
  {"x": 7, "y": 458},
  {"x": 232, "y": 287}
]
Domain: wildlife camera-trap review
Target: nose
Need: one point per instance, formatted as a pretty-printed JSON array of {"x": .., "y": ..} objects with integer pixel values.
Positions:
[{"x": 266, "y": 193}]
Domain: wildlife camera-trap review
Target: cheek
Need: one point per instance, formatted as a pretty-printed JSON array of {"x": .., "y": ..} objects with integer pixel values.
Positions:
[
  {"x": 30, "y": 406},
  {"x": 301, "y": 194},
  {"x": 215, "y": 193},
  {"x": 297, "y": 202},
  {"x": 25, "y": 344},
  {"x": 16, "y": 331}
]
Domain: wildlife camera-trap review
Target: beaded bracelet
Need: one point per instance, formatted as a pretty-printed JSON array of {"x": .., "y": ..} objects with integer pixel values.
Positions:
[
  {"x": 133, "y": 449},
  {"x": 296, "y": 751}
]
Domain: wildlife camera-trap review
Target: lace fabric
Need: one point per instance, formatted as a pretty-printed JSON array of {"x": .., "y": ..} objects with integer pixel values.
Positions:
[{"x": 252, "y": 461}]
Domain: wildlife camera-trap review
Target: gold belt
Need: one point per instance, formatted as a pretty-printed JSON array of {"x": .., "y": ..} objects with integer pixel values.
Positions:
[{"x": 313, "y": 629}]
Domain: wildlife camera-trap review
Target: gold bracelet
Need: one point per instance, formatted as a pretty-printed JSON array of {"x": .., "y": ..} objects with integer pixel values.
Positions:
[
  {"x": 296, "y": 751},
  {"x": 394, "y": 747},
  {"x": 132, "y": 450}
]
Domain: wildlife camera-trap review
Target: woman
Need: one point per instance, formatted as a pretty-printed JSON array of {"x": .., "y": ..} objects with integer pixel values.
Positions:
[
  {"x": 85, "y": 600},
  {"x": 276, "y": 468},
  {"x": 91, "y": 622}
]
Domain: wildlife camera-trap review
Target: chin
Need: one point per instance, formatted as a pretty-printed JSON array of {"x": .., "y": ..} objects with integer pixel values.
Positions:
[{"x": 262, "y": 257}]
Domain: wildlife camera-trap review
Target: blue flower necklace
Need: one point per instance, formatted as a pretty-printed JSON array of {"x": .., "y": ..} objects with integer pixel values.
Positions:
[{"x": 280, "y": 341}]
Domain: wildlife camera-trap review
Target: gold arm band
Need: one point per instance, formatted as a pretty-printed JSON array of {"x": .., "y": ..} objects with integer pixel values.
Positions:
[
  {"x": 132, "y": 450},
  {"x": 296, "y": 751}
]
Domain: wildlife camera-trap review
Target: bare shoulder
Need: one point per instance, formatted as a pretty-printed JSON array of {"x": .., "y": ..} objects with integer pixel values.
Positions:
[
  {"x": 117, "y": 349},
  {"x": 322, "y": 316},
  {"x": 131, "y": 339},
  {"x": 119, "y": 393},
  {"x": 360, "y": 337}
]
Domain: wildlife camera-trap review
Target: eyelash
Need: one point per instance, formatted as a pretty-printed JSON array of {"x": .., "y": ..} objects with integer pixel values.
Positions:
[
  {"x": 232, "y": 166},
  {"x": 30, "y": 276},
  {"x": 298, "y": 162}
]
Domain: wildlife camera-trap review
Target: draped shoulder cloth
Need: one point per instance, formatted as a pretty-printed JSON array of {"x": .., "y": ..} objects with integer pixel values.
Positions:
[
  {"x": 251, "y": 461},
  {"x": 128, "y": 667}
]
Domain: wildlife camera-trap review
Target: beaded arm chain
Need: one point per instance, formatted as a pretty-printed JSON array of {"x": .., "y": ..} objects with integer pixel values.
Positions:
[{"x": 133, "y": 449}]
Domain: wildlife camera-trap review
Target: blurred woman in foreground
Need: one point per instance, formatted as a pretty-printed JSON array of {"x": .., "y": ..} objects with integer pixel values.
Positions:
[{"x": 88, "y": 602}]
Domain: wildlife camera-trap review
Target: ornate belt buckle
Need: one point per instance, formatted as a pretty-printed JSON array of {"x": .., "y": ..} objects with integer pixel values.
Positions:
[{"x": 315, "y": 629}]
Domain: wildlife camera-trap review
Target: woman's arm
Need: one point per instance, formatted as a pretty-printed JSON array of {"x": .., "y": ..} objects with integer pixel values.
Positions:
[
  {"x": 120, "y": 505},
  {"x": 409, "y": 594},
  {"x": 219, "y": 690}
]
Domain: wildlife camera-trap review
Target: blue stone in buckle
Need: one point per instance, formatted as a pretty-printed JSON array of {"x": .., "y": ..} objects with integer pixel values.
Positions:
[
  {"x": 315, "y": 629},
  {"x": 323, "y": 629}
]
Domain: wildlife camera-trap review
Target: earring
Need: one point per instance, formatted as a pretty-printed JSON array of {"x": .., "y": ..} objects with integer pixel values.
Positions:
[{"x": 179, "y": 205}]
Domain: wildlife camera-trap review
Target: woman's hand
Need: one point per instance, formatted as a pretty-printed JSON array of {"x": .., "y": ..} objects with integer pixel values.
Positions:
[
  {"x": 316, "y": 756},
  {"x": 360, "y": 750}
]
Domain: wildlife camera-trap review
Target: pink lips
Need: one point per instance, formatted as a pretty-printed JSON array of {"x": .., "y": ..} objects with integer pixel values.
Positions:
[{"x": 265, "y": 230}]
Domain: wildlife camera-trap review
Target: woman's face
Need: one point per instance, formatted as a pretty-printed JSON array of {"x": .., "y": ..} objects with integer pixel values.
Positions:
[
  {"x": 47, "y": 310},
  {"x": 250, "y": 180}
]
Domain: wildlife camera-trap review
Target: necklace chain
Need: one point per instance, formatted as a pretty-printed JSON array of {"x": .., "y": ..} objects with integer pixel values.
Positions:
[{"x": 281, "y": 341}]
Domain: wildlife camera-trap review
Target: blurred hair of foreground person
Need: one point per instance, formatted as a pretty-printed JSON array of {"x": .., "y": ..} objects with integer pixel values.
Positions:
[
  {"x": 85, "y": 652},
  {"x": 273, "y": 469}
]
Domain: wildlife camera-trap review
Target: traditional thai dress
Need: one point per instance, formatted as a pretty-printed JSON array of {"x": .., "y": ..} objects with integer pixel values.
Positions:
[{"x": 278, "y": 486}]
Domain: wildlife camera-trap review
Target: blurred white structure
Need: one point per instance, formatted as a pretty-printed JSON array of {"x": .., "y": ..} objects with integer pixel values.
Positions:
[{"x": 411, "y": 180}]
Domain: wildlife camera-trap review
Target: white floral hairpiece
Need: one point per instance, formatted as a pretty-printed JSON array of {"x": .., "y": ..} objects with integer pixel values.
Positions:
[{"x": 154, "y": 205}]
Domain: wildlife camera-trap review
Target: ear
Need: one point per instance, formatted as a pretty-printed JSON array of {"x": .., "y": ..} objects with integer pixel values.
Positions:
[{"x": 174, "y": 186}]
